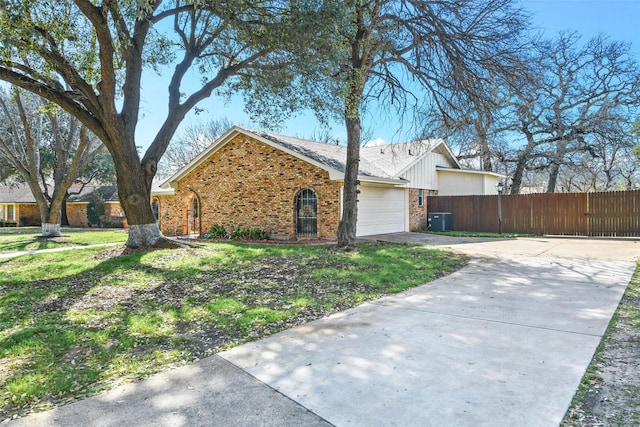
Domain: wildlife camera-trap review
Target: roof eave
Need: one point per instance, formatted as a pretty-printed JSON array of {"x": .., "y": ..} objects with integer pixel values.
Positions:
[
  {"x": 378, "y": 180},
  {"x": 469, "y": 171},
  {"x": 163, "y": 192},
  {"x": 334, "y": 174}
]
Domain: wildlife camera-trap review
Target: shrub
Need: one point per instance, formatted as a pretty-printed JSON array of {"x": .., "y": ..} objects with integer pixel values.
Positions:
[
  {"x": 216, "y": 232},
  {"x": 257, "y": 234},
  {"x": 95, "y": 210},
  {"x": 111, "y": 223},
  {"x": 238, "y": 233}
]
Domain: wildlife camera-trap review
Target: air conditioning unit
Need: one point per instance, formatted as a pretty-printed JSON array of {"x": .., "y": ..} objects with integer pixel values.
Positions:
[{"x": 440, "y": 221}]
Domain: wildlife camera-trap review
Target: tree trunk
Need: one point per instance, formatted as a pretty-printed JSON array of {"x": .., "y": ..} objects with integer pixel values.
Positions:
[
  {"x": 518, "y": 173},
  {"x": 553, "y": 177},
  {"x": 348, "y": 222},
  {"x": 51, "y": 226},
  {"x": 554, "y": 171},
  {"x": 134, "y": 193},
  {"x": 51, "y": 230},
  {"x": 485, "y": 151},
  {"x": 64, "y": 219},
  {"x": 521, "y": 163},
  {"x": 53, "y": 217}
]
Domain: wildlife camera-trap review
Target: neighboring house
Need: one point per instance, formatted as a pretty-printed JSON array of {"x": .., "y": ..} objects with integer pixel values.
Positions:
[
  {"x": 77, "y": 206},
  {"x": 292, "y": 188},
  {"x": 18, "y": 205}
]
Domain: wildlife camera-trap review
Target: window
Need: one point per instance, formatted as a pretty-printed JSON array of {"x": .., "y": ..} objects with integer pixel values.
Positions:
[
  {"x": 155, "y": 205},
  {"x": 306, "y": 206},
  {"x": 8, "y": 213},
  {"x": 196, "y": 213},
  {"x": 420, "y": 198}
]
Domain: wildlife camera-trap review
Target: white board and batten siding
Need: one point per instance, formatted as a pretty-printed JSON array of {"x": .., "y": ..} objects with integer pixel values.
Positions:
[
  {"x": 423, "y": 174},
  {"x": 382, "y": 210},
  {"x": 455, "y": 182}
]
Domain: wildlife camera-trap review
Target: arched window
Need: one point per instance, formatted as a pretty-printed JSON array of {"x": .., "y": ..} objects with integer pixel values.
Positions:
[
  {"x": 155, "y": 205},
  {"x": 306, "y": 213}
]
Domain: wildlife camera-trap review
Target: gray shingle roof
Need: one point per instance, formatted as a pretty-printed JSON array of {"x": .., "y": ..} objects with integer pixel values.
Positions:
[
  {"x": 331, "y": 155},
  {"x": 20, "y": 193},
  {"x": 395, "y": 158},
  {"x": 378, "y": 163},
  {"x": 382, "y": 161},
  {"x": 108, "y": 193},
  {"x": 16, "y": 193}
]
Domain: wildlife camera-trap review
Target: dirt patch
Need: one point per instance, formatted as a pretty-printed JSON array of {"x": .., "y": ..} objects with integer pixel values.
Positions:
[
  {"x": 610, "y": 392},
  {"x": 124, "y": 320}
]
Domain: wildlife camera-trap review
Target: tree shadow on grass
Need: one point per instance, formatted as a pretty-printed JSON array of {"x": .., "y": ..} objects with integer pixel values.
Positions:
[{"x": 132, "y": 315}]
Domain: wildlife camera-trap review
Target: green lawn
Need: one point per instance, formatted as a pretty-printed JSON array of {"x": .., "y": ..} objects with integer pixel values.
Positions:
[
  {"x": 18, "y": 239},
  {"x": 85, "y": 320}
]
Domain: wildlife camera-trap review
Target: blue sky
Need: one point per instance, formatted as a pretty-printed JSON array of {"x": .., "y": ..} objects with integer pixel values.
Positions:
[{"x": 617, "y": 18}]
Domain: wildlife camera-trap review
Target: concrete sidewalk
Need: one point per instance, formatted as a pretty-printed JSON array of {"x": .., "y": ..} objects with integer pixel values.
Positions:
[{"x": 502, "y": 342}]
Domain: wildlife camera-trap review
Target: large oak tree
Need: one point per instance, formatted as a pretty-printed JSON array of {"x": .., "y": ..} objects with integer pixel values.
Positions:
[
  {"x": 579, "y": 97},
  {"x": 408, "y": 52},
  {"x": 88, "y": 57}
]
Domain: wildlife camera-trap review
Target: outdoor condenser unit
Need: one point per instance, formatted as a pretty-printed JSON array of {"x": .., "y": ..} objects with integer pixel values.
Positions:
[{"x": 440, "y": 221}]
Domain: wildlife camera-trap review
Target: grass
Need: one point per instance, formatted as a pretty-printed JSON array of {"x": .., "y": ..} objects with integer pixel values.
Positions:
[
  {"x": 621, "y": 333},
  {"x": 18, "y": 239},
  {"x": 83, "y": 320}
]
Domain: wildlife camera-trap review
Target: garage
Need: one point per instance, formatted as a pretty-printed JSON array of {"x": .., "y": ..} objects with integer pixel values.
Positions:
[{"x": 381, "y": 210}]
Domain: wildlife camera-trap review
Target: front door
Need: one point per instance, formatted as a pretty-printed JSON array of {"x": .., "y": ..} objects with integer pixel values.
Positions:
[{"x": 306, "y": 213}]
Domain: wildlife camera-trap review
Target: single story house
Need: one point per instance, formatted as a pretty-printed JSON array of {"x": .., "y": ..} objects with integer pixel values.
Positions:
[
  {"x": 289, "y": 187},
  {"x": 19, "y": 207},
  {"x": 292, "y": 188}
]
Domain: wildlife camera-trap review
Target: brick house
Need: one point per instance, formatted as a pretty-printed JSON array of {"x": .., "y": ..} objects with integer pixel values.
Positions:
[
  {"x": 18, "y": 206},
  {"x": 292, "y": 188}
]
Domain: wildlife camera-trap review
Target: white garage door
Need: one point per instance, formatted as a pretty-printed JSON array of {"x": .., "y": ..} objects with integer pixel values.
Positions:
[{"x": 380, "y": 210}]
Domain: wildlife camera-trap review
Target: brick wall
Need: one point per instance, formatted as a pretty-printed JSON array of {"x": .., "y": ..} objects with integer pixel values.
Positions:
[
  {"x": 30, "y": 213},
  {"x": 169, "y": 217},
  {"x": 113, "y": 215},
  {"x": 251, "y": 184},
  {"x": 77, "y": 214},
  {"x": 418, "y": 219}
]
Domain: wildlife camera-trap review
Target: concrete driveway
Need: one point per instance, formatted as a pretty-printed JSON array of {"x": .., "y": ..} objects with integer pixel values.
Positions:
[
  {"x": 502, "y": 342},
  {"x": 601, "y": 249}
]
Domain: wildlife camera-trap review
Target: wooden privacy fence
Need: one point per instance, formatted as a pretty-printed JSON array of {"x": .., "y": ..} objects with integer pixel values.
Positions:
[{"x": 615, "y": 213}]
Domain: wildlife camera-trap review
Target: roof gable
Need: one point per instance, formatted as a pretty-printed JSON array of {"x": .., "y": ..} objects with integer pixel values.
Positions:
[
  {"x": 384, "y": 163},
  {"x": 396, "y": 159},
  {"x": 329, "y": 157}
]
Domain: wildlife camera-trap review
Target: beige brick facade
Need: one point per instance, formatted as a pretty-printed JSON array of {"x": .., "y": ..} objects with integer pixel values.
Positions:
[
  {"x": 168, "y": 215},
  {"x": 250, "y": 184},
  {"x": 417, "y": 213},
  {"x": 28, "y": 214},
  {"x": 77, "y": 214}
]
